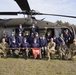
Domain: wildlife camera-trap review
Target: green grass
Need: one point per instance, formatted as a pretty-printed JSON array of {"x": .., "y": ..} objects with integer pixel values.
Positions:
[{"x": 12, "y": 66}]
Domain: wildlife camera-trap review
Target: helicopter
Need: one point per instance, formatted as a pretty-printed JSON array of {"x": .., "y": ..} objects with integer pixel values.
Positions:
[{"x": 8, "y": 25}]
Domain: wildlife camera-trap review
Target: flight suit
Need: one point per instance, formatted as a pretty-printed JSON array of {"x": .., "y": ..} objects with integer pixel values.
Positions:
[
  {"x": 51, "y": 49},
  {"x": 26, "y": 49},
  {"x": 48, "y": 37},
  {"x": 73, "y": 50},
  {"x": 33, "y": 30},
  {"x": 43, "y": 44},
  {"x": 67, "y": 39},
  {"x": 15, "y": 51},
  {"x": 28, "y": 38},
  {"x": 35, "y": 45},
  {"x": 11, "y": 38},
  {"x": 19, "y": 39},
  {"x": 3, "y": 49},
  {"x": 38, "y": 39},
  {"x": 63, "y": 51},
  {"x": 31, "y": 40},
  {"x": 19, "y": 30}
]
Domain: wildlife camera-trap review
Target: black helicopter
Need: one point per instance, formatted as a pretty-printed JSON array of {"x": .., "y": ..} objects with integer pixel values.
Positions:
[{"x": 8, "y": 25}]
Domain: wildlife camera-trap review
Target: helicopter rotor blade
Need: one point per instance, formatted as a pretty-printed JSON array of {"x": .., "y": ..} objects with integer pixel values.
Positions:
[
  {"x": 54, "y": 15},
  {"x": 8, "y": 13},
  {"x": 23, "y": 4},
  {"x": 34, "y": 13}
]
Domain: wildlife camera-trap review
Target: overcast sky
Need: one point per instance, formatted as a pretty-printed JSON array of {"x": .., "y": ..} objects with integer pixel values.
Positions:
[{"x": 65, "y": 7}]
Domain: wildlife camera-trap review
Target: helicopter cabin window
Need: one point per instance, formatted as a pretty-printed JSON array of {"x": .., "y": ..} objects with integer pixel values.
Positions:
[{"x": 57, "y": 32}]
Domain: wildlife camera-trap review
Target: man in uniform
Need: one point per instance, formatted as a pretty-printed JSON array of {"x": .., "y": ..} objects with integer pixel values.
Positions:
[
  {"x": 35, "y": 44},
  {"x": 63, "y": 51},
  {"x": 73, "y": 49},
  {"x": 31, "y": 39},
  {"x": 33, "y": 29},
  {"x": 14, "y": 49},
  {"x": 43, "y": 44},
  {"x": 11, "y": 38},
  {"x": 48, "y": 36},
  {"x": 51, "y": 49},
  {"x": 67, "y": 37},
  {"x": 19, "y": 39},
  {"x": 25, "y": 45},
  {"x": 27, "y": 37},
  {"x": 37, "y": 37},
  {"x": 3, "y": 46},
  {"x": 36, "y": 49},
  {"x": 5, "y": 36},
  {"x": 19, "y": 29}
]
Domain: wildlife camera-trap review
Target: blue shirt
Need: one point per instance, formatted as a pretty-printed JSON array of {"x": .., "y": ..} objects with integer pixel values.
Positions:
[
  {"x": 35, "y": 45},
  {"x": 43, "y": 42},
  {"x": 11, "y": 38},
  {"x": 25, "y": 45},
  {"x": 19, "y": 39}
]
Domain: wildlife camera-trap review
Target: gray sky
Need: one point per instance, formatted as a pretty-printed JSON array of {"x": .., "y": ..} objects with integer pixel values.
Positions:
[{"x": 65, "y": 7}]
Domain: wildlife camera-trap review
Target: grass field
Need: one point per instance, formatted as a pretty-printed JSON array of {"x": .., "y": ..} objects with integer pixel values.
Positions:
[{"x": 13, "y": 66}]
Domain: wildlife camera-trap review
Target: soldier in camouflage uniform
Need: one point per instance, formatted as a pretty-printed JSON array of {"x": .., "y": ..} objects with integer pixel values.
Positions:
[
  {"x": 51, "y": 49},
  {"x": 63, "y": 51},
  {"x": 73, "y": 48},
  {"x": 3, "y": 46}
]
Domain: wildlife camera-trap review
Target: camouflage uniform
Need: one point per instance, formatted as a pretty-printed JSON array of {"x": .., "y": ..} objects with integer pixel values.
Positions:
[
  {"x": 73, "y": 50},
  {"x": 51, "y": 49},
  {"x": 63, "y": 51},
  {"x": 3, "y": 49}
]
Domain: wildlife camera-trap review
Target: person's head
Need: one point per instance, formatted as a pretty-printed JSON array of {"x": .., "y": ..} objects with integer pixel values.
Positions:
[
  {"x": 61, "y": 35},
  {"x": 12, "y": 34},
  {"x": 20, "y": 26},
  {"x": 32, "y": 34},
  {"x": 14, "y": 40},
  {"x": 33, "y": 26},
  {"x": 3, "y": 40},
  {"x": 25, "y": 40},
  {"x": 55, "y": 37},
  {"x": 27, "y": 33},
  {"x": 51, "y": 39},
  {"x": 74, "y": 41},
  {"x": 35, "y": 40},
  {"x": 43, "y": 37},
  {"x": 4, "y": 35},
  {"x": 37, "y": 34},
  {"x": 20, "y": 34},
  {"x": 48, "y": 33},
  {"x": 66, "y": 31}
]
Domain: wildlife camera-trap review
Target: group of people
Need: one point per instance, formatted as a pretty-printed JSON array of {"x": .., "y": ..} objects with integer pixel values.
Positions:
[{"x": 47, "y": 45}]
